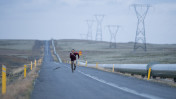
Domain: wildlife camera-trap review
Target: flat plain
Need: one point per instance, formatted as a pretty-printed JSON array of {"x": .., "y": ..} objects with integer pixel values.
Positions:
[{"x": 99, "y": 51}]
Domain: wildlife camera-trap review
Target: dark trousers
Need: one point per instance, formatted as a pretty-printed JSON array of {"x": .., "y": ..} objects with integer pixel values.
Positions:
[{"x": 73, "y": 63}]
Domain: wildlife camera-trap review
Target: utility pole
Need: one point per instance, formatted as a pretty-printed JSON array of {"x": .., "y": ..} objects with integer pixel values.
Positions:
[{"x": 141, "y": 11}]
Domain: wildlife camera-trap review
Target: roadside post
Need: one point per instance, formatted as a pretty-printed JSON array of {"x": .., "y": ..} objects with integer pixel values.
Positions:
[
  {"x": 3, "y": 79},
  {"x": 35, "y": 63},
  {"x": 78, "y": 63},
  {"x": 31, "y": 65},
  {"x": 40, "y": 61},
  {"x": 113, "y": 68},
  {"x": 24, "y": 71},
  {"x": 96, "y": 65},
  {"x": 86, "y": 64},
  {"x": 80, "y": 53},
  {"x": 149, "y": 72}
]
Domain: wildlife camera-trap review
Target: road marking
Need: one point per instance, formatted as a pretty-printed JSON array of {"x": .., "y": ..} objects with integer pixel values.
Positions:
[{"x": 121, "y": 88}]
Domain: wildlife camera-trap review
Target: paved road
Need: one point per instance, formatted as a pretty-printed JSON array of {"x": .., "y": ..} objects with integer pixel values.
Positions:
[{"x": 88, "y": 83}]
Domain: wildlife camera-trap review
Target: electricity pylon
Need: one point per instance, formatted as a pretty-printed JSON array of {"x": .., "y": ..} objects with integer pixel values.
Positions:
[
  {"x": 113, "y": 29},
  {"x": 99, "y": 19},
  {"x": 141, "y": 11},
  {"x": 89, "y": 32}
]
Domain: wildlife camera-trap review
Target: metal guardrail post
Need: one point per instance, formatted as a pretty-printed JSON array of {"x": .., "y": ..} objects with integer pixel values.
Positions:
[
  {"x": 96, "y": 65},
  {"x": 24, "y": 71},
  {"x": 149, "y": 72},
  {"x": 113, "y": 68},
  {"x": 31, "y": 65},
  {"x": 86, "y": 64},
  {"x": 78, "y": 63},
  {"x": 35, "y": 63},
  {"x": 3, "y": 79}
]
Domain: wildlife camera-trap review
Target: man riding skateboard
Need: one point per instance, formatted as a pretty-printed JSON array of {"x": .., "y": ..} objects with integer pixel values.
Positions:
[{"x": 73, "y": 59}]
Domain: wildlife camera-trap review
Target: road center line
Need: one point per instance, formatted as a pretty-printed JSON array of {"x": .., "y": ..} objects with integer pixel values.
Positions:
[{"x": 121, "y": 88}]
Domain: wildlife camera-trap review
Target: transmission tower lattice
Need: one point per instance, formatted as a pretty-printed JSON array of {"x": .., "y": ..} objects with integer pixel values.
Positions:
[
  {"x": 89, "y": 32},
  {"x": 141, "y": 11},
  {"x": 113, "y": 29},
  {"x": 99, "y": 19}
]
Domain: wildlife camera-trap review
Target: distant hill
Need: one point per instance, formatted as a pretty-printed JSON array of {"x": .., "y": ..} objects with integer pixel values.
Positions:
[{"x": 99, "y": 51}]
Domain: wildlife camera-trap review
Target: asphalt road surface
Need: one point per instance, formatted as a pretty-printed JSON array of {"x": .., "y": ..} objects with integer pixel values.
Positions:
[{"x": 56, "y": 81}]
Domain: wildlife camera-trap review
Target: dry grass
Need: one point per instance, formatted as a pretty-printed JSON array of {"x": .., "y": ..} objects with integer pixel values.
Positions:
[
  {"x": 17, "y": 70},
  {"x": 21, "y": 88},
  {"x": 18, "y": 52},
  {"x": 96, "y": 51},
  {"x": 14, "y": 54}
]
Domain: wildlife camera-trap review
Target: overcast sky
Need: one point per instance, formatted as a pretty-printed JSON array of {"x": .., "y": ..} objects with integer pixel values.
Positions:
[{"x": 66, "y": 19}]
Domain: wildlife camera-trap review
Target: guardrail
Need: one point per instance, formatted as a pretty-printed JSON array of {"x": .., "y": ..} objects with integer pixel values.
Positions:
[
  {"x": 157, "y": 70},
  {"x": 54, "y": 49}
]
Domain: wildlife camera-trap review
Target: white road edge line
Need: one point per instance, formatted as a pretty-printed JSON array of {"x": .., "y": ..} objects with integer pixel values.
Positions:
[{"x": 121, "y": 88}]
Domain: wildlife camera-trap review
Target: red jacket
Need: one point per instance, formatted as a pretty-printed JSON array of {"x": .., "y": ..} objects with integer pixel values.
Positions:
[{"x": 73, "y": 56}]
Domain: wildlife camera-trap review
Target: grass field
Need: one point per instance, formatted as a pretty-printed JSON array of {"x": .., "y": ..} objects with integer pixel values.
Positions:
[
  {"x": 14, "y": 54},
  {"x": 18, "y": 52},
  {"x": 96, "y": 51}
]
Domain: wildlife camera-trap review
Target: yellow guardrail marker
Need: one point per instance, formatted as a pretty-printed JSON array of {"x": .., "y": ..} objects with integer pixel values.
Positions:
[
  {"x": 149, "y": 71},
  {"x": 86, "y": 64},
  {"x": 39, "y": 61},
  {"x": 31, "y": 65},
  {"x": 3, "y": 79},
  {"x": 35, "y": 63},
  {"x": 24, "y": 71},
  {"x": 113, "y": 68},
  {"x": 96, "y": 65},
  {"x": 78, "y": 63}
]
